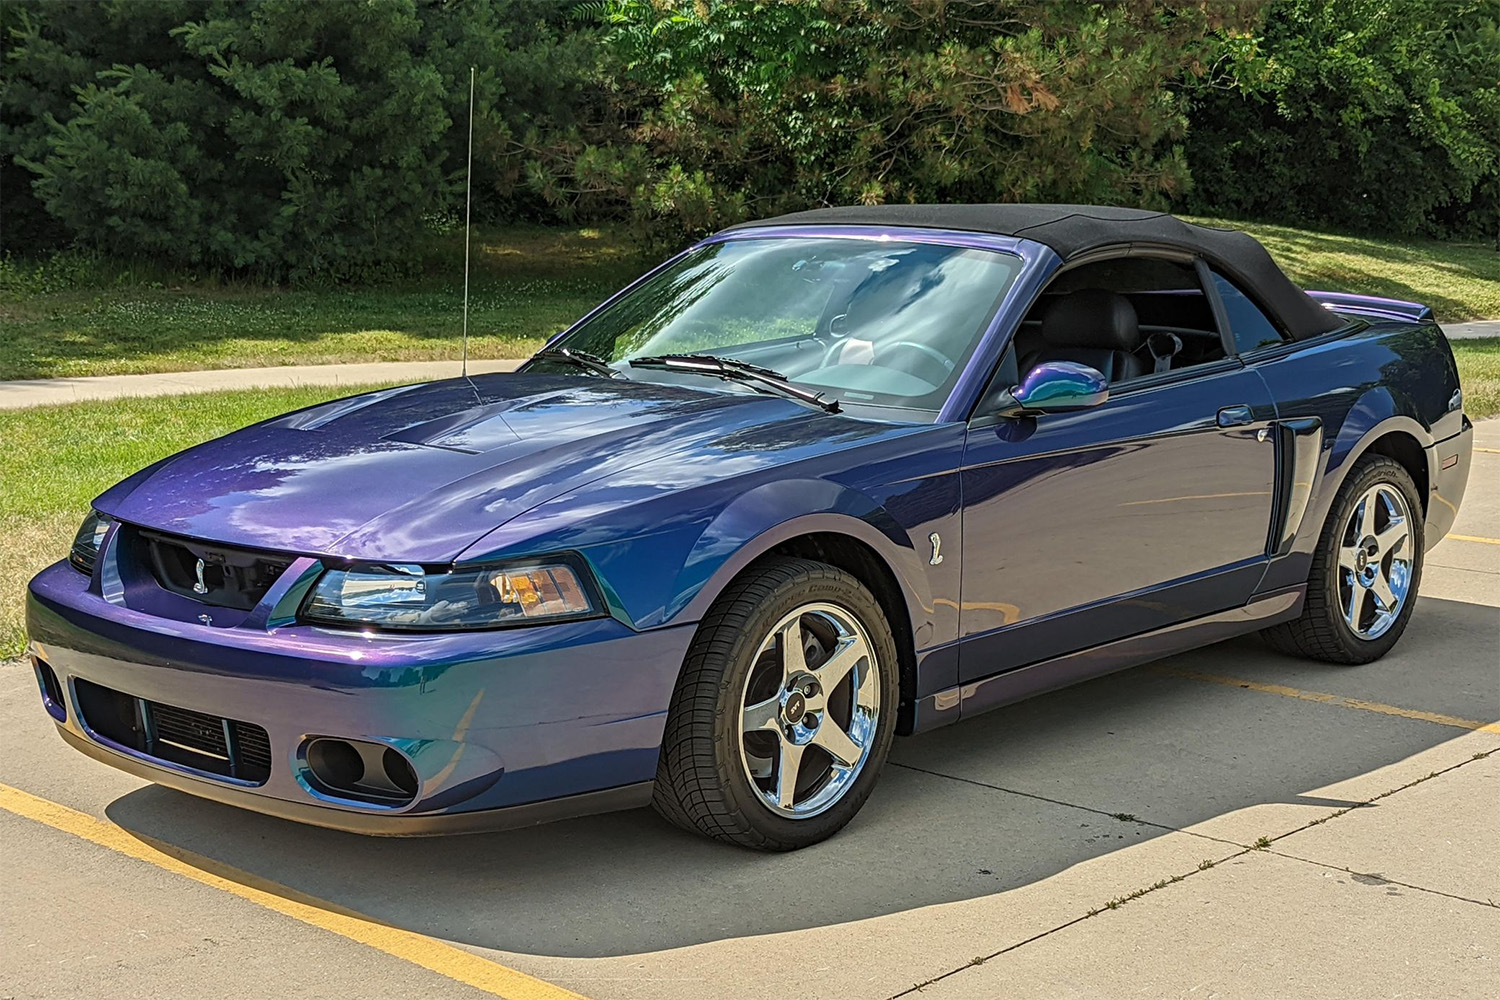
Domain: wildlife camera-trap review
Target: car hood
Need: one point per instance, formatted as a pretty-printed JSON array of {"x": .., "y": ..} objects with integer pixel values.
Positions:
[{"x": 417, "y": 473}]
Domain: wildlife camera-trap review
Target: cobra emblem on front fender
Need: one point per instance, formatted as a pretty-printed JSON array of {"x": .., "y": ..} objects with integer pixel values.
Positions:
[{"x": 937, "y": 549}]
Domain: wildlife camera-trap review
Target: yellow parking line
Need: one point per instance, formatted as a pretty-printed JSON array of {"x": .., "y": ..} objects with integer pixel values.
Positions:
[
  {"x": 1335, "y": 699},
  {"x": 430, "y": 953},
  {"x": 1488, "y": 451},
  {"x": 1474, "y": 538}
]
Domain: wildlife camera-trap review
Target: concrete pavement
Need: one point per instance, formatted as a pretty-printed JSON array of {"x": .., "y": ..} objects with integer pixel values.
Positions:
[
  {"x": 1471, "y": 331},
  {"x": 1227, "y": 823},
  {"x": 44, "y": 392}
]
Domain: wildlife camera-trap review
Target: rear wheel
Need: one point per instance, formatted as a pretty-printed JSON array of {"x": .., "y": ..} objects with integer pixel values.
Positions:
[
  {"x": 1365, "y": 573},
  {"x": 785, "y": 710}
]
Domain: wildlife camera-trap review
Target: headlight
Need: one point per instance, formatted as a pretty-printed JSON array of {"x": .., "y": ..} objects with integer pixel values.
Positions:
[
  {"x": 409, "y": 597},
  {"x": 86, "y": 543}
]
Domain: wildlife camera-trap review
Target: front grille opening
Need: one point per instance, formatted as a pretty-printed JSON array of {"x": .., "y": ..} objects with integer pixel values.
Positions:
[
  {"x": 210, "y": 574},
  {"x": 52, "y": 696},
  {"x": 226, "y": 747},
  {"x": 360, "y": 770}
]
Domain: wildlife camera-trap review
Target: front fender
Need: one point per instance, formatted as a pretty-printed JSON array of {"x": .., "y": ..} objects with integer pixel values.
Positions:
[{"x": 757, "y": 522}]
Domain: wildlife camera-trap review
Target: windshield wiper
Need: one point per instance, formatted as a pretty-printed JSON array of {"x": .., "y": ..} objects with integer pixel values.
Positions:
[
  {"x": 737, "y": 371},
  {"x": 578, "y": 359}
]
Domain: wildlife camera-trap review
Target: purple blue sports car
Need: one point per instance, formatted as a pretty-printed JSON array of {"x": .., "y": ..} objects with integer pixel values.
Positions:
[{"x": 814, "y": 482}]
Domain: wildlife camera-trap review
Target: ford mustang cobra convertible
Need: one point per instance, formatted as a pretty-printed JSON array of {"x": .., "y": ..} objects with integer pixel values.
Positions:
[{"x": 814, "y": 482}]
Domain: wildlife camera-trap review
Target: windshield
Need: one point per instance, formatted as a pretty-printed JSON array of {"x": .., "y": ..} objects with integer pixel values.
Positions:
[{"x": 861, "y": 320}]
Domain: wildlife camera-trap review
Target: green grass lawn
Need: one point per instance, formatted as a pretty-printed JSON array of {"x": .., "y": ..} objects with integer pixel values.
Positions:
[
  {"x": 1460, "y": 281},
  {"x": 528, "y": 283},
  {"x": 1479, "y": 372}
]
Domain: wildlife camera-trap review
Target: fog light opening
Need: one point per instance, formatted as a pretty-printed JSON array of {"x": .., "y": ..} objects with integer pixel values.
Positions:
[
  {"x": 336, "y": 764},
  {"x": 360, "y": 770},
  {"x": 399, "y": 772},
  {"x": 52, "y": 696}
]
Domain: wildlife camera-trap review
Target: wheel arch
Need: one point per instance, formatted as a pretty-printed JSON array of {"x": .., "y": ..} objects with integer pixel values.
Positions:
[
  {"x": 1403, "y": 447},
  {"x": 1396, "y": 436},
  {"x": 865, "y": 564},
  {"x": 851, "y": 532}
]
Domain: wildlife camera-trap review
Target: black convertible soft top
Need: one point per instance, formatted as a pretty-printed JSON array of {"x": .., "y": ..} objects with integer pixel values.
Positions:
[{"x": 1074, "y": 230}]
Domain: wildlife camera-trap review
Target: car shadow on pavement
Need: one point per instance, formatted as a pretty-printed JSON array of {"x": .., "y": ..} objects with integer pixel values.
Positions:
[{"x": 983, "y": 807}]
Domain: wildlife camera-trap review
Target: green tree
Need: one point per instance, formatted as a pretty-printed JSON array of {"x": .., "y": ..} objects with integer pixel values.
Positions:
[
  {"x": 1379, "y": 115},
  {"x": 290, "y": 139},
  {"x": 741, "y": 108}
]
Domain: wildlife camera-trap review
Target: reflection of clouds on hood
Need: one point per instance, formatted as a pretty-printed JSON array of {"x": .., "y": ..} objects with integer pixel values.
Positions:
[
  {"x": 676, "y": 464},
  {"x": 347, "y": 489}
]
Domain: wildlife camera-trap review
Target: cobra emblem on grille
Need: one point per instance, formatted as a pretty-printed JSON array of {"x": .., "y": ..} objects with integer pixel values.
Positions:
[{"x": 200, "y": 587}]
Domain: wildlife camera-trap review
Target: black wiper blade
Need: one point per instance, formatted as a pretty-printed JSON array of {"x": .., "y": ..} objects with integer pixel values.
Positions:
[
  {"x": 729, "y": 368},
  {"x": 578, "y": 359}
]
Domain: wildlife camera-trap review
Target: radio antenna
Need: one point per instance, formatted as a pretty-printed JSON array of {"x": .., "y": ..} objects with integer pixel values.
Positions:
[{"x": 468, "y": 205}]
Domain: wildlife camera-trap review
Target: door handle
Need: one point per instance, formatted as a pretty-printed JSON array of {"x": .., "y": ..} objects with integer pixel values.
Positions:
[{"x": 1235, "y": 416}]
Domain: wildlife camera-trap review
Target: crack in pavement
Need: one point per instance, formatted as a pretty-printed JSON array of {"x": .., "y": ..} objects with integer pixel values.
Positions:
[
  {"x": 1120, "y": 901},
  {"x": 1070, "y": 805},
  {"x": 1383, "y": 795},
  {"x": 1374, "y": 878},
  {"x": 1113, "y": 904}
]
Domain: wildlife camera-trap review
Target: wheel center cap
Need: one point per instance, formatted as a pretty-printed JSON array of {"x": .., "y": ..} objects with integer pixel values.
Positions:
[{"x": 794, "y": 708}]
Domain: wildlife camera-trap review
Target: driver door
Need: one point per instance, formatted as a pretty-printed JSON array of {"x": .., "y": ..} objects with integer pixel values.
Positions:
[{"x": 1085, "y": 527}]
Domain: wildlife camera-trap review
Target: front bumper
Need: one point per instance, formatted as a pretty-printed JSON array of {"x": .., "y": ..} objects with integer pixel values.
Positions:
[{"x": 502, "y": 728}]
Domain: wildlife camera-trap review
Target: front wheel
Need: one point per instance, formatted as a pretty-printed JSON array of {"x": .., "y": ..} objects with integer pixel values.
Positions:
[
  {"x": 785, "y": 710},
  {"x": 1365, "y": 573}
]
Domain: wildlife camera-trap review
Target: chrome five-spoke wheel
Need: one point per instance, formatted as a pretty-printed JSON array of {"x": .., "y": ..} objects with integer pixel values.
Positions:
[
  {"x": 811, "y": 709},
  {"x": 1362, "y": 584},
  {"x": 1375, "y": 561},
  {"x": 785, "y": 709}
]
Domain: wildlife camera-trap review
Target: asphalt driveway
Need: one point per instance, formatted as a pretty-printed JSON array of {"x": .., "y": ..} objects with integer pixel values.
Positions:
[{"x": 1226, "y": 823}]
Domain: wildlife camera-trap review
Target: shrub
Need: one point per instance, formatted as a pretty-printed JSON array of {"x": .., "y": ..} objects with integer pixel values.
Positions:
[
  {"x": 1377, "y": 115},
  {"x": 280, "y": 138},
  {"x": 746, "y": 108}
]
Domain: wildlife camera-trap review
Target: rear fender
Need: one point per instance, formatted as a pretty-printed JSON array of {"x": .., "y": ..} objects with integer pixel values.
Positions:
[{"x": 1377, "y": 414}]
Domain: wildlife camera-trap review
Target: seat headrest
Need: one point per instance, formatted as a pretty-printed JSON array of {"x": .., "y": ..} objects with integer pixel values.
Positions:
[{"x": 1092, "y": 317}]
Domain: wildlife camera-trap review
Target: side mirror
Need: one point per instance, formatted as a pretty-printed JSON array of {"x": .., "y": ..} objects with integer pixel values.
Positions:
[{"x": 1055, "y": 387}]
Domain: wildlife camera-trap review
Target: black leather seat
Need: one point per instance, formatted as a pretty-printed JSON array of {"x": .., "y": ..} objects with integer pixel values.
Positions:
[{"x": 1092, "y": 327}]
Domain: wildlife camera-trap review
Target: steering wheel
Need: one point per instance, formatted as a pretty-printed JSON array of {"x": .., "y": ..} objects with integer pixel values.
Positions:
[{"x": 931, "y": 357}]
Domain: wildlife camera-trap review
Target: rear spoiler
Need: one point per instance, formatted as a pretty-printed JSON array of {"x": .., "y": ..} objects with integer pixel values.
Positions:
[{"x": 1374, "y": 306}]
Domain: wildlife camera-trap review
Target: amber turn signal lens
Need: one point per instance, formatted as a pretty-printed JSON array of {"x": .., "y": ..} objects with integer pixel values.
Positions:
[{"x": 542, "y": 591}]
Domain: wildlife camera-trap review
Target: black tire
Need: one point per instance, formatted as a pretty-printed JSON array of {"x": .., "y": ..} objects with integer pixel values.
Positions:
[
  {"x": 1321, "y": 632},
  {"x": 701, "y": 784}
]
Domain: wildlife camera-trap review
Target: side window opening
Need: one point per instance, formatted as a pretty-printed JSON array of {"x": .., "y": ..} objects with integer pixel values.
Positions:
[
  {"x": 1129, "y": 317},
  {"x": 1251, "y": 328}
]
